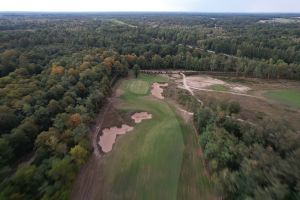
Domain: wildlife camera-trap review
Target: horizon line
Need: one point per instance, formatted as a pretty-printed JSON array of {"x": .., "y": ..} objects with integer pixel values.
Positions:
[{"x": 192, "y": 12}]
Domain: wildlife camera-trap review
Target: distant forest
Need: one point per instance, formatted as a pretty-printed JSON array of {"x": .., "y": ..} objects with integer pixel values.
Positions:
[{"x": 56, "y": 71}]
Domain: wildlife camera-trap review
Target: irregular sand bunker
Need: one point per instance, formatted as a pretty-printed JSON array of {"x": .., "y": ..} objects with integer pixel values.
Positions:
[
  {"x": 109, "y": 136},
  {"x": 157, "y": 90},
  {"x": 139, "y": 117}
]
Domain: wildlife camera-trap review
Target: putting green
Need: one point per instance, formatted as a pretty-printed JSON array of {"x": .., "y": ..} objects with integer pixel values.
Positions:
[
  {"x": 138, "y": 87},
  {"x": 288, "y": 97}
]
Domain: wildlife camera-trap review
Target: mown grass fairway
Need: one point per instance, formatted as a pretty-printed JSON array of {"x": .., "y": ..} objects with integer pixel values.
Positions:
[
  {"x": 145, "y": 164},
  {"x": 288, "y": 97},
  {"x": 148, "y": 162}
]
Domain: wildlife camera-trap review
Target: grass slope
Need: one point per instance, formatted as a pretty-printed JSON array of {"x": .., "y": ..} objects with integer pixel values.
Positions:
[
  {"x": 146, "y": 163},
  {"x": 288, "y": 97}
]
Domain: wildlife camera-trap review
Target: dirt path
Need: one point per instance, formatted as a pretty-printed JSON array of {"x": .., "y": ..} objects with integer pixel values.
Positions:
[
  {"x": 187, "y": 87},
  {"x": 84, "y": 185},
  {"x": 98, "y": 129}
]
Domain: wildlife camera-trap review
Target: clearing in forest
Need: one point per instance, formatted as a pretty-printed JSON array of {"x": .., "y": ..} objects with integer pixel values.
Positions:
[{"x": 160, "y": 158}]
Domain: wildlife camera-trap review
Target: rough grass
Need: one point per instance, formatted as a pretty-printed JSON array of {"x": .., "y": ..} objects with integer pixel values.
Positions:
[
  {"x": 194, "y": 182},
  {"x": 219, "y": 87},
  {"x": 288, "y": 97}
]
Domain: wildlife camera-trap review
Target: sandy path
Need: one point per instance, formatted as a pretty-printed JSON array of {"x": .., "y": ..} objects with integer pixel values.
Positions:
[
  {"x": 97, "y": 131},
  {"x": 186, "y": 87}
]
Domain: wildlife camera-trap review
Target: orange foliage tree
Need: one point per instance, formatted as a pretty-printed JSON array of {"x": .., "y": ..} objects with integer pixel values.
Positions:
[
  {"x": 57, "y": 70},
  {"x": 75, "y": 119}
]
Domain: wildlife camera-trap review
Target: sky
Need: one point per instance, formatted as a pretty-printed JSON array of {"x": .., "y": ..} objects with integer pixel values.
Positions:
[{"x": 282, "y": 6}]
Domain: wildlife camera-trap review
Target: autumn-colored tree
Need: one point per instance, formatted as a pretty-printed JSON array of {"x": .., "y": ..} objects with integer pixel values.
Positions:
[
  {"x": 131, "y": 59},
  {"x": 75, "y": 119},
  {"x": 57, "y": 70},
  {"x": 109, "y": 61},
  {"x": 84, "y": 66}
]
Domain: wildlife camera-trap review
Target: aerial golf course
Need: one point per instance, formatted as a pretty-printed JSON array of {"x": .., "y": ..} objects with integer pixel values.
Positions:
[{"x": 158, "y": 159}]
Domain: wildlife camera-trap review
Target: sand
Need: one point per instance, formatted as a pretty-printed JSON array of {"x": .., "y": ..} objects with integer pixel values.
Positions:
[
  {"x": 109, "y": 136},
  {"x": 204, "y": 82},
  {"x": 157, "y": 90},
  {"x": 139, "y": 117}
]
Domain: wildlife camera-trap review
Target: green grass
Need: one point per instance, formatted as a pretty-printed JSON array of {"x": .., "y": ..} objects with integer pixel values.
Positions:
[
  {"x": 288, "y": 97},
  {"x": 138, "y": 87},
  {"x": 194, "y": 182},
  {"x": 148, "y": 162},
  {"x": 218, "y": 87}
]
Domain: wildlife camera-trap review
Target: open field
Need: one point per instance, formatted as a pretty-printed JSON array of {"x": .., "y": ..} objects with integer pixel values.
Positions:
[
  {"x": 121, "y": 23},
  {"x": 280, "y": 20},
  {"x": 259, "y": 98},
  {"x": 288, "y": 97}
]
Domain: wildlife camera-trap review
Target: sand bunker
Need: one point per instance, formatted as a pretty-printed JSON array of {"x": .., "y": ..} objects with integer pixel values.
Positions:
[
  {"x": 157, "y": 90},
  {"x": 109, "y": 136},
  {"x": 139, "y": 117}
]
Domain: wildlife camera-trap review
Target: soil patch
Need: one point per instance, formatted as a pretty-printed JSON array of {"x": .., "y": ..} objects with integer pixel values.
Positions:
[
  {"x": 139, "y": 117},
  {"x": 207, "y": 82},
  {"x": 157, "y": 90}
]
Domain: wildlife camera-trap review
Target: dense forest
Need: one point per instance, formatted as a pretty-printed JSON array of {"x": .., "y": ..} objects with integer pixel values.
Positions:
[{"x": 56, "y": 71}]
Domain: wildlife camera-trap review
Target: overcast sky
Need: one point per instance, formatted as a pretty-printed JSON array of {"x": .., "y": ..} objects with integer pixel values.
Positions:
[{"x": 153, "y": 5}]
